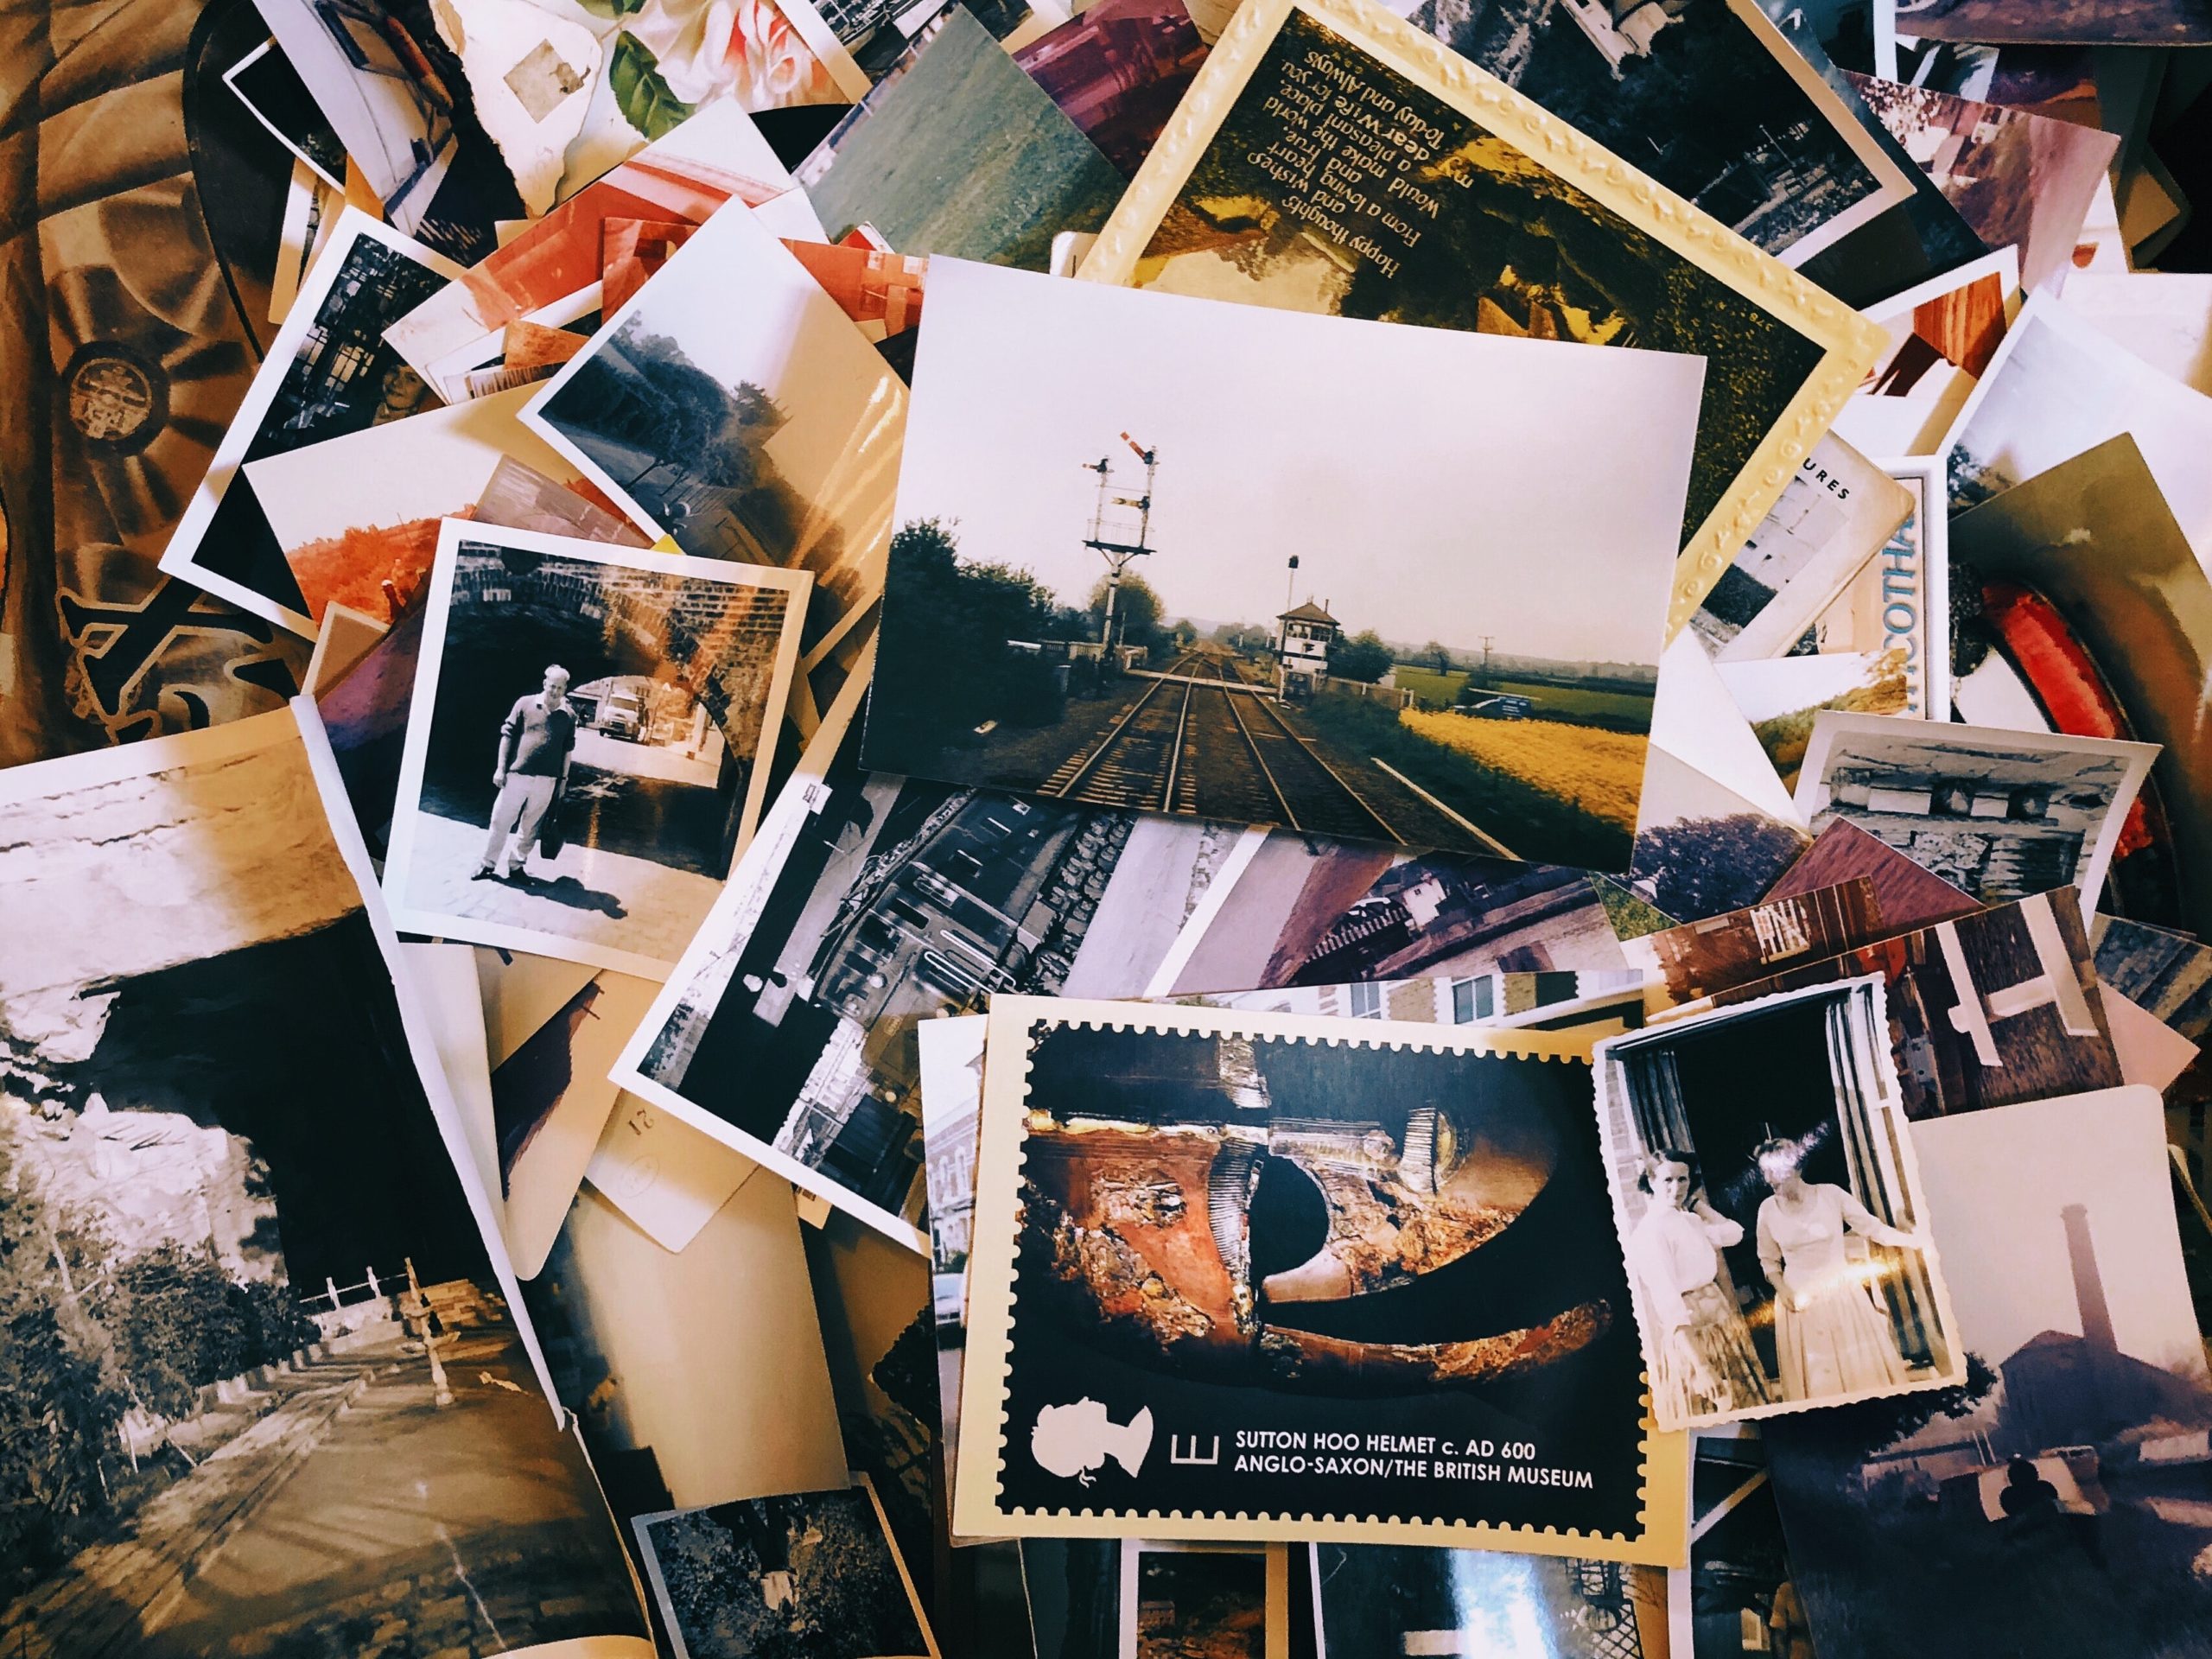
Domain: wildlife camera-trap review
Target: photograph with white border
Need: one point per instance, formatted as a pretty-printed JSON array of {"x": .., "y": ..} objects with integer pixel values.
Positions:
[
  {"x": 1232, "y": 1600},
  {"x": 589, "y": 744}
]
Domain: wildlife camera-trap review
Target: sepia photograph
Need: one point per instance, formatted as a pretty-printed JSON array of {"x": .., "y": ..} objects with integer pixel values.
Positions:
[
  {"x": 1999, "y": 814},
  {"x": 328, "y": 372},
  {"x": 1769, "y": 1211},
  {"x": 1998, "y": 1006},
  {"x": 1381, "y": 1598},
  {"x": 279, "y": 1399},
  {"x": 813, "y": 1575},
  {"x": 1203, "y": 1601},
  {"x": 867, "y": 906},
  {"x": 357, "y": 516},
  {"x": 1005, "y": 169},
  {"x": 765, "y": 432},
  {"x": 588, "y": 744},
  {"x": 2021, "y": 179},
  {"x": 1705, "y": 96},
  {"x": 1153, "y": 602},
  {"x": 1249, "y": 1276},
  {"x": 1275, "y": 193},
  {"x": 1833, "y": 516},
  {"x": 1943, "y": 335},
  {"x": 2057, "y": 388},
  {"x": 2054, "y": 1502},
  {"x": 2086, "y": 555}
]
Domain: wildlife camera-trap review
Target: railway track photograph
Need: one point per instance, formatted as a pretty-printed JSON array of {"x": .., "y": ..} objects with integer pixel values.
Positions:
[{"x": 1096, "y": 595}]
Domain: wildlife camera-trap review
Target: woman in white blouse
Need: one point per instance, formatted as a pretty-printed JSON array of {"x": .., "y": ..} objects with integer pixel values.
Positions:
[
  {"x": 1831, "y": 1333},
  {"x": 1705, "y": 1362}
]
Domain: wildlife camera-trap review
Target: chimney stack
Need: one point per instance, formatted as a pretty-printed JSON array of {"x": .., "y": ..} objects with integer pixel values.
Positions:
[{"x": 2089, "y": 1284}]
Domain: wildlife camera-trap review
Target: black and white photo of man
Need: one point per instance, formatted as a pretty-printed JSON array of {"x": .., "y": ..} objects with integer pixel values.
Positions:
[
  {"x": 594, "y": 816},
  {"x": 537, "y": 741}
]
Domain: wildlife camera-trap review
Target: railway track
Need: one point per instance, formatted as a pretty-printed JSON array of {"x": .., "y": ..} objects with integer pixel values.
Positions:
[{"x": 1188, "y": 745}]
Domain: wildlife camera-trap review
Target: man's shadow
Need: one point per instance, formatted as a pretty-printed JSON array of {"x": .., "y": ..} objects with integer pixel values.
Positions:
[{"x": 567, "y": 890}]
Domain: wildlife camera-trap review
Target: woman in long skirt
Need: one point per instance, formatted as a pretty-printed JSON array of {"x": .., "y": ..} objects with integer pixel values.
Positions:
[{"x": 1705, "y": 1363}]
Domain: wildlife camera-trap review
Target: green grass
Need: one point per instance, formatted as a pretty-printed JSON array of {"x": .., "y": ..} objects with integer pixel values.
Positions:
[
  {"x": 1576, "y": 702},
  {"x": 1429, "y": 685}
]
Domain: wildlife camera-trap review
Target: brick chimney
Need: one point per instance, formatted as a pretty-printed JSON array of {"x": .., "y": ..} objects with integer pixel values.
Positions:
[{"x": 2089, "y": 1284}]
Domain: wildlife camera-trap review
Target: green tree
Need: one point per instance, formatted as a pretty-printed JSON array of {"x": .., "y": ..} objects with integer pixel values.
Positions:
[
  {"x": 1364, "y": 656},
  {"x": 1707, "y": 867},
  {"x": 1137, "y": 611},
  {"x": 1437, "y": 657}
]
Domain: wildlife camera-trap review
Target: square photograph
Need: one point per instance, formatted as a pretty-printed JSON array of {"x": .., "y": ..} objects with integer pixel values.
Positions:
[
  {"x": 1769, "y": 1211},
  {"x": 804, "y": 1574},
  {"x": 1153, "y": 569},
  {"x": 1242, "y": 1275},
  {"x": 1223, "y": 1601},
  {"x": 588, "y": 743},
  {"x": 1999, "y": 814}
]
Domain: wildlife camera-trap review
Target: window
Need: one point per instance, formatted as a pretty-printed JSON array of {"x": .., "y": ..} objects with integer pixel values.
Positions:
[{"x": 1366, "y": 1001}]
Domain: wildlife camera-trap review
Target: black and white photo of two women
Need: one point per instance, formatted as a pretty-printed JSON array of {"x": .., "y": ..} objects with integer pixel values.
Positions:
[{"x": 1770, "y": 1211}]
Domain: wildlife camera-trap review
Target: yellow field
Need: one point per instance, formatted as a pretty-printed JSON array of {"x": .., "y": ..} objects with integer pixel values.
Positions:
[{"x": 1600, "y": 771}]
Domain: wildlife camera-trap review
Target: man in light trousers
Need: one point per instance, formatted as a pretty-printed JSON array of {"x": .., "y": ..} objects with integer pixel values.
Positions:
[{"x": 531, "y": 774}]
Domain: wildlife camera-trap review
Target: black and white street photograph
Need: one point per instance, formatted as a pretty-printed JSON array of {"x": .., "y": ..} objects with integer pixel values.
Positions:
[
  {"x": 328, "y": 372},
  {"x": 803, "y": 1575},
  {"x": 268, "y": 1393},
  {"x": 1769, "y": 1211},
  {"x": 868, "y": 903},
  {"x": 1158, "y": 568},
  {"x": 588, "y": 743},
  {"x": 1999, "y": 814},
  {"x": 1706, "y": 96},
  {"x": 732, "y": 406},
  {"x": 2054, "y": 1502}
]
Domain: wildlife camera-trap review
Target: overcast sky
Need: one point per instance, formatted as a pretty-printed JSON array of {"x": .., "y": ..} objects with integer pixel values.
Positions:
[
  {"x": 1996, "y": 1181},
  {"x": 1433, "y": 485}
]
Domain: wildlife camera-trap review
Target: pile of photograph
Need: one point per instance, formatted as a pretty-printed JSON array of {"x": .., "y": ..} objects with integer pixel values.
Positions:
[{"x": 1442, "y": 887}]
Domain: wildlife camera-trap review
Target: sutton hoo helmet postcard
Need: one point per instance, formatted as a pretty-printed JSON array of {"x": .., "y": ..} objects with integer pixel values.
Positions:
[
  {"x": 1264, "y": 1275},
  {"x": 1264, "y": 568},
  {"x": 1331, "y": 158}
]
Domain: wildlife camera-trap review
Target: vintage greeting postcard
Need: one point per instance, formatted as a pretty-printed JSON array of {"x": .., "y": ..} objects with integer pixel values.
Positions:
[
  {"x": 1249, "y": 1276},
  {"x": 1331, "y": 158}
]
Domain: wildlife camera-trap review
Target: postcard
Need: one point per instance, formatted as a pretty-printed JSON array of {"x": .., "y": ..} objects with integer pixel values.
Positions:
[
  {"x": 1712, "y": 102},
  {"x": 272, "y": 89},
  {"x": 662, "y": 1364},
  {"x": 2086, "y": 558},
  {"x": 588, "y": 743},
  {"x": 1834, "y": 514},
  {"x": 1375, "y": 1598},
  {"x": 1997, "y": 814},
  {"x": 751, "y": 1577},
  {"x": 1699, "y": 958},
  {"x": 665, "y": 1176},
  {"x": 1900, "y": 601},
  {"x": 297, "y": 1261},
  {"x": 1738, "y": 1596},
  {"x": 551, "y": 1101},
  {"x": 716, "y": 157},
  {"x": 1444, "y": 1341},
  {"x": 2000, "y": 1005},
  {"x": 766, "y": 432},
  {"x": 2169, "y": 974},
  {"x": 2162, "y": 317},
  {"x": 2020, "y": 180},
  {"x": 1274, "y": 191},
  {"x": 1076, "y": 691},
  {"x": 328, "y": 372},
  {"x": 1943, "y": 335},
  {"x": 1006, "y": 169},
  {"x": 2056, "y": 388},
  {"x": 2103, "y": 22},
  {"x": 357, "y": 516},
  {"x": 1944, "y": 1521},
  {"x": 1769, "y": 1210},
  {"x": 1213, "y": 1598},
  {"x": 867, "y": 906},
  {"x": 1117, "y": 70},
  {"x": 404, "y": 121}
]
